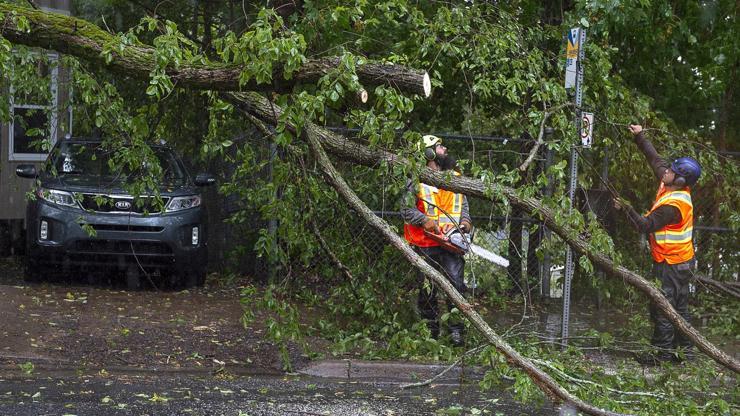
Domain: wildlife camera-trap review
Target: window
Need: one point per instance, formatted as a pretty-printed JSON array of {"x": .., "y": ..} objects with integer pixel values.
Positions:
[{"x": 33, "y": 112}]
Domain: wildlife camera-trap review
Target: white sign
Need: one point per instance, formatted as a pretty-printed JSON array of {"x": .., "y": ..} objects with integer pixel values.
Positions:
[
  {"x": 571, "y": 57},
  {"x": 587, "y": 129}
]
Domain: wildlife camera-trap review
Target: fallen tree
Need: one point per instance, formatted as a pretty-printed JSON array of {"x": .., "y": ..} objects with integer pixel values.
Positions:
[
  {"x": 85, "y": 40},
  {"x": 553, "y": 390},
  {"x": 345, "y": 149},
  {"x": 543, "y": 380},
  {"x": 140, "y": 63}
]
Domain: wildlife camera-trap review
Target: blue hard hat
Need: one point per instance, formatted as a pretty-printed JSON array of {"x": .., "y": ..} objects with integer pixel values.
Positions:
[{"x": 687, "y": 167}]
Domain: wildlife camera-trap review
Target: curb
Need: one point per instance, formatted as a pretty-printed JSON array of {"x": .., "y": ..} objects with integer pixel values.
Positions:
[
  {"x": 347, "y": 369},
  {"x": 390, "y": 371}
]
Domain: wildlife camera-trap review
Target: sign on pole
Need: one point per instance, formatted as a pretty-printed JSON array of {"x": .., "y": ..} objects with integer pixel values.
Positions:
[
  {"x": 571, "y": 57},
  {"x": 587, "y": 128}
]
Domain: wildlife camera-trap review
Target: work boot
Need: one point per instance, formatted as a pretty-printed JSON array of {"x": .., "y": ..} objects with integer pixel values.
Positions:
[
  {"x": 456, "y": 336},
  {"x": 654, "y": 359}
]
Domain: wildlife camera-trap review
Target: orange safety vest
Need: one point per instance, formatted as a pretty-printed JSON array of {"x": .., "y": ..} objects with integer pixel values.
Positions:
[
  {"x": 434, "y": 202},
  {"x": 674, "y": 244},
  {"x": 426, "y": 202}
]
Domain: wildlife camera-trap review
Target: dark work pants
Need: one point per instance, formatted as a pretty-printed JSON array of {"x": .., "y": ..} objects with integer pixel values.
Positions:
[
  {"x": 452, "y": 266},
  {"x": 674, "y": 279}
]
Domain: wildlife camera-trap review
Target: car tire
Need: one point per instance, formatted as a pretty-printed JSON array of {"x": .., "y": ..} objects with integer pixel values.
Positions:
[{"x": 133, "y": 278}]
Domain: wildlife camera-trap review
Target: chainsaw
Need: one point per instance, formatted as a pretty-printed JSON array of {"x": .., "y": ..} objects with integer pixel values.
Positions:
[{"x": 459, "y": 243}]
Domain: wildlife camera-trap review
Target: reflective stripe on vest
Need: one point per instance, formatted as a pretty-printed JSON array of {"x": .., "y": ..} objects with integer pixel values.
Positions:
[
  {"x": 427, "y": 196},
  {"x": 450, "y": 203},
  {"x": 674, "y": 242},
  {"x": 682, "y": 195}
]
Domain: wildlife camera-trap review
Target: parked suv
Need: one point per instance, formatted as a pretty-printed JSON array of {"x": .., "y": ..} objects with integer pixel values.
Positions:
[{"x": 82, "y": 218}]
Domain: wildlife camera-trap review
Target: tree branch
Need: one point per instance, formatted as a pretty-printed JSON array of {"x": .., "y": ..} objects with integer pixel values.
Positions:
[
  {"x": 572, "y": 379},
  {"x": 85, "y": 40},
  {"x": 721, "y": 287},
  {"x": 540, "y": 137},
  {"x": 445, "y": 371}
]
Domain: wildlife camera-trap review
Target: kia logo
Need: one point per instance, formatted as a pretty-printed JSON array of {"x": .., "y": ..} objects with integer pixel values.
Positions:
[{"x": 123, "y": 205}]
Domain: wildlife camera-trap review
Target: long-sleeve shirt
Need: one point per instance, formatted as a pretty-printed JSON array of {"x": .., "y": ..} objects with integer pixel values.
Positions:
[
  {"x": 664, "y": 215},
  {"x": 411, "y": 214}
]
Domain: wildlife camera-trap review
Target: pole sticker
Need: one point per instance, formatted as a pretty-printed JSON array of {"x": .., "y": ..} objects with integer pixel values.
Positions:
[{"x": 587, "y": 129}]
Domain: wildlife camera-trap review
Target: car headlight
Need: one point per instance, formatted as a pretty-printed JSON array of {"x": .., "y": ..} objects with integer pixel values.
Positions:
[
  {"x": 57, "y": 197},
  {"x": 183, "y": 202}
]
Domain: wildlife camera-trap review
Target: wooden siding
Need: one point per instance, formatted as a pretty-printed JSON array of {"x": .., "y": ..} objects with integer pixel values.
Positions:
[{"x": 13, "y": 188}]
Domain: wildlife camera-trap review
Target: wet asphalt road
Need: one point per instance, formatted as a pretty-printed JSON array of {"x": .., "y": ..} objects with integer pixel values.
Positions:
[{"x": 165, "y": 394}]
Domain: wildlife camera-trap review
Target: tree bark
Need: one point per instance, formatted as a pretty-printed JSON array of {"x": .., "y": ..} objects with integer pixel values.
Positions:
[
  {"x": 345, "y": 149},
  {"x": 719, "y": 286},
  {"x": 85, "y": 40}
]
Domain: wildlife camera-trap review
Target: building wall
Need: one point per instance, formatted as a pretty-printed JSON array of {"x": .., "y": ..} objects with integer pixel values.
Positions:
[{"x": 13, "y": 189}]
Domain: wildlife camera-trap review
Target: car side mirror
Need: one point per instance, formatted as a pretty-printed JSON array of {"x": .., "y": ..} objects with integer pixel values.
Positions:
[
  {"x": 26, "y": 171},
  {"x": 204, "y": 179}
]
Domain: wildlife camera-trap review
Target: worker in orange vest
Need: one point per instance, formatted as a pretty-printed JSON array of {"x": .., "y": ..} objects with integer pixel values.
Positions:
[
  {"x": 435, "y": 210},
  {"x": 670, "y": 222}
]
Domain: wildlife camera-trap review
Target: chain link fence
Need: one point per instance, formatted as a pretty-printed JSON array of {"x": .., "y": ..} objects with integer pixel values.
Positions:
[{"x": 536, "y": 257}]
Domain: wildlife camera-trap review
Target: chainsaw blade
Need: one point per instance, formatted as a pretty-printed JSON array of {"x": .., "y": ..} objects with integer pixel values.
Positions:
[{"x": 492, "y": 257}]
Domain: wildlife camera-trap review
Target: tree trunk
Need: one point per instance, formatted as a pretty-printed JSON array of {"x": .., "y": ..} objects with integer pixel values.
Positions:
[
  {"x": 85, "y": 40},
  {"x": 345, "y": 149}
]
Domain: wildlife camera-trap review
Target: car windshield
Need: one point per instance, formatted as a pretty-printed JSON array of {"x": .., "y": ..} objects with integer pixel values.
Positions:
[{"x": 91, "y": 159}]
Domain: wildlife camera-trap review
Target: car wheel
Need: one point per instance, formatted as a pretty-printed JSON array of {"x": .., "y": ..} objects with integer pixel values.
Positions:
[{"x": 133, "y": 278}]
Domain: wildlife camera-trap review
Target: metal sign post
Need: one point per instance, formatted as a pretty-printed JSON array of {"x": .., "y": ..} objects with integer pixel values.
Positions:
[{"x": 573, "y": 77}]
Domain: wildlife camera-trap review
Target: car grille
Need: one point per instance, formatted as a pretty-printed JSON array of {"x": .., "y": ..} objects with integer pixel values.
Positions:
[
  {"x": 106, "y": 253},
  {"x": 140, "y": 248},
  {"x": 120, "y": 203},
  {"x": 125, "y": 227}
]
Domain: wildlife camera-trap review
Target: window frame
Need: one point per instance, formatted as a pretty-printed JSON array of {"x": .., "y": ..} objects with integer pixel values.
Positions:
[{"x": 53, "y": 116}]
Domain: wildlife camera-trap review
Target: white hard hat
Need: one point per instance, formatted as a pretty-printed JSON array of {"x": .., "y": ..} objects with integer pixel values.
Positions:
[{"x": 430, "y": 140}]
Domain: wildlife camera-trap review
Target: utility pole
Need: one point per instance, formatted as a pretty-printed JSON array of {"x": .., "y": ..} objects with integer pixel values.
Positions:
[{"x": 573, "y": 78}]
